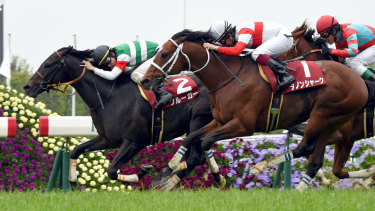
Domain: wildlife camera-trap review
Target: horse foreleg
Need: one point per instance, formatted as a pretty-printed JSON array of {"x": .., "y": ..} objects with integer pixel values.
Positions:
[
  {"x": 192, "y": 138},
  {"x": 342, "y": 153},
  {"x": 231, "y": 129},
  {"x": 127, "y": 151},
  {"x": 96, "y": 143},
  {"x": 315, "y": 163},
  {"x": 325, "y": 181}
]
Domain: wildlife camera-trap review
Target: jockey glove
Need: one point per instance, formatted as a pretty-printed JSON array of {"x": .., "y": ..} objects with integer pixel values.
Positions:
[{"x": 326, "y": 51}]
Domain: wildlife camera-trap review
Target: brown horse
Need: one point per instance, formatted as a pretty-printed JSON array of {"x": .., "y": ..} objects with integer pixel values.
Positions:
[
  {"x": 240, "y": 101},
  {"x": 352, "y": 130}
]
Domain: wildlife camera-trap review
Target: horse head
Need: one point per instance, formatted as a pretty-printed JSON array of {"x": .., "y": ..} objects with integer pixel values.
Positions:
[
  {"x": 53, "y": 72},
  {"x": 306, "y": 44},
  {"x": 177, "y": 54}
]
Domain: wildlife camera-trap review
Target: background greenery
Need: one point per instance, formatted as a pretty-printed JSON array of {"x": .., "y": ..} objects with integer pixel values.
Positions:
[{"x": 59, "y": 103}]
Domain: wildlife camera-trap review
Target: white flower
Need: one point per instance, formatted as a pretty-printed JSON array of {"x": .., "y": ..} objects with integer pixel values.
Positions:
[
  {"x": 101, "y": 161},
  {"x": 45, "y": 144},
  {"x": 14, "y": 115},
  {"x": 56, "y": 149},
  {"x": 92, "y": 183},
  {"x": 122, "y": 187},
  {"x": 32, "y": 121},
  {"x": 91, "y": 155},
  {"x": 81, "y": 156},
  {"x": 22, "y": 113},
  {"x": 31, "y": 104},
  {"x": 130, "y": 187},
  {"x": 51, "y": 140},
  {"x": 103, "y": 187},
  {"x": 6, "y": 95},
  {"x": 88, "y": 164},
  {"x": 81, "y": 165},
  {"x": 95, "y": 162},
  {"x": 106, "y": 165},
  {"x": 99, "y": 154},
  {"x": 81, "y": 181},
  {"x": 5, "y": 113},
  {"x": 59, "y": 143},
  {"x": 35, "y": 134},
  {"x": 85, "y": 160},
  {"x": 84, "y": 175},
  {"x": 51, "y": 146},
  {"x": 91, "y": 171},
  {"x": 40, "y": 139},
  {"x": 84, "y": 168},
  {"x": 6, "y": 107},
  {"x": 88, "y": 178},
  {"x": 15, "y": 109},
  {"x": 109, "y": 188},
  {"x": 71, "y": 148},
  {"x": 94, "y": 190},
  {"x": 87, "y": 189},
  {"x": 96, "y": 175},
  {"x": 116, "y": 188},
  {"x": 100, "y": 179},
  {"x": 2, "y": 86},
  {"x": 113, "y": 181},
  {"x": 20, "y": 125}
]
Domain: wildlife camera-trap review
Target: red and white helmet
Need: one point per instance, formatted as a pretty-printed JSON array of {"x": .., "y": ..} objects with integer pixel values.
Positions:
[
  {"x": 219, "y": 29},
  {"x": 325, "y": 23}
]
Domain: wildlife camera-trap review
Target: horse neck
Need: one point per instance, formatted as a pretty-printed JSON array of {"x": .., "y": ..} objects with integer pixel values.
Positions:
[
  {"x": 216, "y": 73},
  {"x": 90, "y": 84}
]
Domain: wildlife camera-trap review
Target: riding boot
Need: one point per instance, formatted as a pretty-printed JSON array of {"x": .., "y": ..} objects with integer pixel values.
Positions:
[
  {"x": 164, "y": 96},
  {"x": 284, "y": 78}
]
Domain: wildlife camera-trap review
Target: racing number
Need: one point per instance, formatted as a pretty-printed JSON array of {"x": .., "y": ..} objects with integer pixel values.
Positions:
[{"x": 181, "y": 89}]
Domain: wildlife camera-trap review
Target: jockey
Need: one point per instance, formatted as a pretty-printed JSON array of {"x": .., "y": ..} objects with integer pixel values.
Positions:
[
  {"x": 124, "y": 56},
  {"x": 355, "y": 41},
  {"x": 268, "y": 40}
]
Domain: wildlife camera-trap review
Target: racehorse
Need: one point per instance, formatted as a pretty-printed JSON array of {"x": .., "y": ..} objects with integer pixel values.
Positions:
[
  {"x": 309, "y": 48},
  {"x": 240, "y": 101},
  {"x": 123, "y": 119}
]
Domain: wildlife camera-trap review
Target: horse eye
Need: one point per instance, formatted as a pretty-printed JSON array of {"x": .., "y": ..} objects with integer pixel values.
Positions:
[{"x": 164, "y": 55}]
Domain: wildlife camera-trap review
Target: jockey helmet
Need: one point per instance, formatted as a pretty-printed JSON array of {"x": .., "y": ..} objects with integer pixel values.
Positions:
[
  {"x": 219, "y": 29},
  {"x": 100, "y": 54},
  {"x": 325, "y": 24}
]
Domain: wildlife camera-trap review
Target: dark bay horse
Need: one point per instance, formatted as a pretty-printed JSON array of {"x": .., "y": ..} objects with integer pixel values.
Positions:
[
  {"x": 240, "y": 99},
  {"x": 125, "y": 120},
  {"x": 354, "y": 129}
]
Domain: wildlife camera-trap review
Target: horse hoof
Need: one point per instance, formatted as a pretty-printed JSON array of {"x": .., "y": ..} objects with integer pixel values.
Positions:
[
  {"x": 256, "y": 170},
  {"x": 223, "y": 183},
  {"x": 360, "y": 186},
  {"x": 165, "y": 179},
  {"x": 147, "y": 168}
]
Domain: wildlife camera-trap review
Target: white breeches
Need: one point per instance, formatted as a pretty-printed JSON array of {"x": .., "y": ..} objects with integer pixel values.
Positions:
[
  {"x": 358, "y": 63},
  {"x": 276, "y": 46},
  {"x": 138, "y": 73}
]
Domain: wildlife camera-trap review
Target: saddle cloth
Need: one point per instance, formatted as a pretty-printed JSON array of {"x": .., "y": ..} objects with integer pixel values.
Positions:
[
  {"x": 308, "y": 74},
  {"x": 183, "y": 89}
]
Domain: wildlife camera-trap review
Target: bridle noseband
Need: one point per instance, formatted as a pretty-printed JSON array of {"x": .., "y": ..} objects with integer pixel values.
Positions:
[{"x": 174, "y": 58}]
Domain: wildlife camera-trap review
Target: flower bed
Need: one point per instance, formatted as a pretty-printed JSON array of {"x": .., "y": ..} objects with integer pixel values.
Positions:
[{"x": 26, "y": 161}]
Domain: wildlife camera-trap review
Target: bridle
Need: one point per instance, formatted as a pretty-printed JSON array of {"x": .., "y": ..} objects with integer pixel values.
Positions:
[
  {"x": 173, "y": 59},
  {"x": 47, "y": 85}
]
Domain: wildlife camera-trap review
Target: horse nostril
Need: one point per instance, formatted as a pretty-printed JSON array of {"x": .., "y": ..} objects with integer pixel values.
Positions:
[{"x": 26, "y": 87}]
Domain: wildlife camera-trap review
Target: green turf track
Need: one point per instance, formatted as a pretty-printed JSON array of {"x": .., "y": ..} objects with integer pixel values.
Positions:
[{"x": 191, "y": 200}]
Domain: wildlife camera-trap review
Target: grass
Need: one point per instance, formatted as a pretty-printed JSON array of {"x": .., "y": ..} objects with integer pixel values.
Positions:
[{"x": 263, "y": 199}]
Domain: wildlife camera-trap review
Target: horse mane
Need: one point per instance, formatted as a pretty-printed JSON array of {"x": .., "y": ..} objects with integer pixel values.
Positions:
[{"x": 194, "y": 36}]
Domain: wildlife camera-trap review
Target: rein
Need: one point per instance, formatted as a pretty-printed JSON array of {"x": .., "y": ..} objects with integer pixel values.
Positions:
[
  {"x": 46, "y": 85},
  {"x": 174, "y": 58}
]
